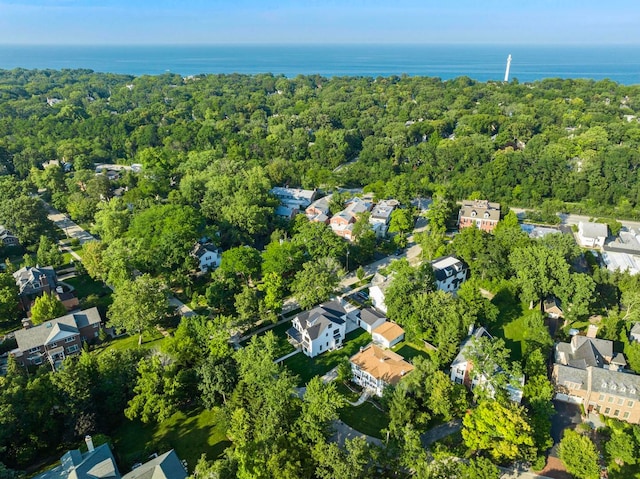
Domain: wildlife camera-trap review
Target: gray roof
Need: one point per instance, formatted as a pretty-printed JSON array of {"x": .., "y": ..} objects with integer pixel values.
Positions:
[
  {"x": 447, "y": 266},
  {"x": 200, "y": 249},
  {"x": 627, "y": 242},
  {"x": 166, "y": 466},
  {"x": 98, "y": 464},
  {"x": 26, "y": 276},
  {"x": 321, "y": 204},
  {"x": 602, "y": 380},
  {"x": 593, "y": 230},
  {"x": 316, "y": 320},
  {"x": 383, "y": 210},
  {"x": 371, "y": 316},
  {"x": 478, "y": 209},
  {"x": 635, "y": 329},
  {"x": 70, "y": 324}
]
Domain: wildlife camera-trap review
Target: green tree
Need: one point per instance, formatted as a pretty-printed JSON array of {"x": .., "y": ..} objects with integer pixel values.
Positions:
[
  {"x": 138, "y": 305},
  {"x": 316, "y": 282},
  {"x": 500, "y": 430},
  {"x": 273, "y": 286},
  {"x": 48, "y": 253},
  {"x": 621, "y": 448},
  {"x": 242, "y": 261},
  {"x": 401, "y": 221},
  {"x": 579, "y": 455},
  {"x": 112, "y": 219},
  {"x": 8, "y": 297},
  {"x": 439, "y": 211},
  {"x": 320, "y": 406},
  {"x": 218, "y": 377},
  {"x": 480, "y": 468},
  {"x": 46, "y": 307}
]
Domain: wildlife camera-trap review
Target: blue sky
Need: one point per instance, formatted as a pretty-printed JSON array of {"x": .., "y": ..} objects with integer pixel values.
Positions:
[{"x": 315, "y": 21}]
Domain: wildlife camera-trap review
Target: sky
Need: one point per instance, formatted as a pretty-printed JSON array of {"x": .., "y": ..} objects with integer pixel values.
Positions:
[{"x": 126, "y": 22}]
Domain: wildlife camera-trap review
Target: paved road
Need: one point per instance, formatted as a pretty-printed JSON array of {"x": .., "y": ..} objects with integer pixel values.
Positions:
[
  {"x": 440, "y": 432},
  {"x": 344, "y": 432}
]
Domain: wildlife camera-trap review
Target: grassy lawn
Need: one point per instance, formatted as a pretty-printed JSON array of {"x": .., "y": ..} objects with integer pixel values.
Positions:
[
  {"x": 306, "y": 368},
  {"x": 346, "y": 392},
  {"x": 366, "y": 419},
  {"x": 410, "y": 350},
  {"x": 190, "y": 434},
  {"x": 152, "y": 339},
  {"x": 85, "y": 286},
  {"x": 509, "y": 325}
]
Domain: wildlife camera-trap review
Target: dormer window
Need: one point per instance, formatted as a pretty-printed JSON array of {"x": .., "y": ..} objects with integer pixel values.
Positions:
[
  {"x": 474, "y": 213},
  {"x": 604, "y": 385},
  {"x": 632, "y": 390},
  {"x": 613, "y": 387},
  {"x": 486, "y": 215},
  {"x": 623, "y": 388}
]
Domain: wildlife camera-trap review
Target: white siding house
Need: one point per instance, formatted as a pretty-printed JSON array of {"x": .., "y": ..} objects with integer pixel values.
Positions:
[
  {"x": 320, "y": 329},
  {"x": 375, "y": 368},
  {"x": 592, "y": 235},
  {"x": 450, "y": 273}
]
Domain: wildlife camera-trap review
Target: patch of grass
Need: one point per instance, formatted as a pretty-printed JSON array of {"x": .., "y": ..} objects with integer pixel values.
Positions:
[
  {"x": 85, "y": 285},
  {"x": 150, "y": 339},
  {"x": 190, "y": 434},
  {"x": 508, "y": 325},
  {"x": 346, "y": 392},
  {"x": 306, "y": 368},
  {"x": 366, "y": 419},
  {"x": 410, "y": 350}
]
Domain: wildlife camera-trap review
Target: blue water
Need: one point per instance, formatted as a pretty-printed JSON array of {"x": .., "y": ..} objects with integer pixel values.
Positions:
[{"x": 480, "y": 62}]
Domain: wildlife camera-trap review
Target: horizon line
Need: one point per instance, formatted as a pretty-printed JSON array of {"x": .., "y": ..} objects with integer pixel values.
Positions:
[{"x": 324, "y": 44}]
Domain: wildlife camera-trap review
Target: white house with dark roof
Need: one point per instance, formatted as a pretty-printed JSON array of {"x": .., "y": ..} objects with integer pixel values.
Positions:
[
  {"x": 381, "y": 215},
  {"x": 7, "y": 238},
  {"x": 450, "y": 273},
  {"x": 592, "y": 235},
  {"x": 54, "y": 340},
  {"x": 320, "y": 329},
  {"x": 369, "y": 319},
  {"x": 208, "y": 255}
]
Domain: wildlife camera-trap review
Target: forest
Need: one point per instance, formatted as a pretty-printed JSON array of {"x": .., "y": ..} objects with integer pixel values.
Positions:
[{"x": 210, "y": 148}]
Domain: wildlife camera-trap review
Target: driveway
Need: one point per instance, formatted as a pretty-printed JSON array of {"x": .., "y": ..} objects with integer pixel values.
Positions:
[{"x": 567, "y": 415}]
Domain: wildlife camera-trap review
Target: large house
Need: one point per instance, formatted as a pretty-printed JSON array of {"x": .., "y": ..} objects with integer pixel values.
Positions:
[
  {"x": 56, "y": 339},
  {"x": 379, "y": 285},
  {"x": 461, "y": 370},
  {"x": 294, "y": 197},
  {"x": 592, "y": 235},
  {"x": 208, "y": 255},
  {"x": 319, "y": 330},
  {"x": 342, "y": 223},
  {"x": 99, "y": 463},
  {"x": 587, "y": 371},
  {"x": 381, "y": 215},
  {"x": 479, "y": 213},
  {"x": 34, "y": 281},
  {"x": 450, "y": 273},
  {"x": 375, "y": 368}
]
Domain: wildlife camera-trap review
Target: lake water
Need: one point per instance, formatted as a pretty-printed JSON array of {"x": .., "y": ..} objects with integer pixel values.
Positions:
[{"x": 480, "y": 62}]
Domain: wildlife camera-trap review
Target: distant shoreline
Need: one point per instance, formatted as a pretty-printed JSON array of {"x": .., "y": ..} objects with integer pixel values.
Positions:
[{"x": 482, "y": 62}]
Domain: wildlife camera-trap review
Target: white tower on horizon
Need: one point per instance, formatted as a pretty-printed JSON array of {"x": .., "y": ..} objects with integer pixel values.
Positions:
[{"x": 506, "y": 72}]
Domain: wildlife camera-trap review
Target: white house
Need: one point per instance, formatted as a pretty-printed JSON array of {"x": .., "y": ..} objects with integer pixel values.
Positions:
[
  {"x": 461, "y": 370},
  {"x": 208, "y": 256},
  {"x": 375, "y": 368},
  {"x": 294, "y": 197},
  {"x": 592, "y": 235},
  {"x": 369, "y": 319},
  {"x": 387, "y": 334},
  {"x": 321, "y": 329},
  {"x": 379, "y": 284},
  {"x": 450, "y": 273},
  {"x": 381, "y": 215}
]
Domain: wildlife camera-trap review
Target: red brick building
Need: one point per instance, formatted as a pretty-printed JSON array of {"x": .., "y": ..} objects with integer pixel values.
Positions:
[{"x": 479, "y": 213}]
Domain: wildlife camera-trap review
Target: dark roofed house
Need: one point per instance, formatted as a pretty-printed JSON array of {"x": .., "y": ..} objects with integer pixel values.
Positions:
[
  {"x": 96, "y": 463},
  {"x": 7, "y": 238},
  {"x": 33, "y": 281},
  {"x": 54, "y": 340},
  {"x": 165, "y": 466},
  {"x": 208, "y": 255},
  {"x": 369, "y": 319},
  {"x": 588, "y": 371},
  {"x": 450, "y": 273},
  {"x": 320, "y": 329}
]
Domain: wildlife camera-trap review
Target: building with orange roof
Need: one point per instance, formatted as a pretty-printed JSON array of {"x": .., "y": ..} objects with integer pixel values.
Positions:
[
  {"x": 387, "y": 334},
  {"x": 375, "y": 368}
]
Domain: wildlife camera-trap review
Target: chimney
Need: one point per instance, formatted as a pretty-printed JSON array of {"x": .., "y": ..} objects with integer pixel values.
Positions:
[
  {"x": 26, "y": 323},
  {"x": 89, "y": 442},
  {"x": 592, "y": 330},
  {"x": 471, "y": 329}
]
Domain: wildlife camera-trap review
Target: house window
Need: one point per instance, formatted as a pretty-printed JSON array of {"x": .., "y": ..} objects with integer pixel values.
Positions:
[
  {"x": 327, "y": 343},
  {"x": 321, "y": 347},
  {"x": 96, "y": 325},
  {"x": 625, "y": 415},
  {"x": 72, "y": 349},
  {"x": 616, "y": 413},
  {"x": 34, "y": 350},
  {"x": 607, "y": 410},
  {"x": 70, "y": 339},
  {"x": 620, "y": 401},
  {"x": 37, "y": 360},
  {"x": 610, "y": 399},
  {"x": 629, "y": 403},
  {"x": 601, "y": 397},
  {"x": 53, "y": 345}
]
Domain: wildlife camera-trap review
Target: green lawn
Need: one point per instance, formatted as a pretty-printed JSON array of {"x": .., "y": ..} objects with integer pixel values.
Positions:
[
  {"x": 85, "y": 286},
  {"x": 410, "y": 350},
  {"x": 150, "y": 339},
  {"x": 190, "y": 434},
  {"x": 366, "y": 419},
  {"x": 509, "y": 325},
  {"x": 306, "y": 368}
]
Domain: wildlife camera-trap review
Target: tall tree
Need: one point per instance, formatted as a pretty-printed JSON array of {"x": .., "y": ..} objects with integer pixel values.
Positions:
[
  {"x": 579, "y": 455},
  {"x": 46, "y": 307},
  {"x": 316, "y": 282},
  {"x": 138, "y": 305}
]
